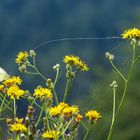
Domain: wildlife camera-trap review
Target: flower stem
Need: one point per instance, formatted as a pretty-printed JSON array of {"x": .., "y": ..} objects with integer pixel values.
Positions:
[
  {"x": 87, "y": 132},
  {"x": 14, "y": 108},
  {"x": 67, "y": 89},
  {"x": 114, "y": 104},
  {"x": 40, "y": 115},
  {"x": 116, "y": 69},
  {"x": 55, "y": 96},
  {"x": 17, "y": 137},
  {"x": 124, "y": 94},
  {"x": 1, "y": 107}
]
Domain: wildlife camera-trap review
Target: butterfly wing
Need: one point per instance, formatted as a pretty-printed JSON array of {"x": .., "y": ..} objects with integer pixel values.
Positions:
[{"x": 3, "y": 74}]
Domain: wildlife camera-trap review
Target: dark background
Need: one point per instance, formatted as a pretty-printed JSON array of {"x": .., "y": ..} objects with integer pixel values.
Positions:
[{"x": 24, "y": 24}]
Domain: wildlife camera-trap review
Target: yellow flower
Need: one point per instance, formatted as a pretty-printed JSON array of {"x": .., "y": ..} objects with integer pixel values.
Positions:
[
  {"x": 78, "y": 118},
  {"x": 12, "y": 80},
  {"x": 56, "y": 110},
  {"x": 22, "y": 57},
  {"x": 1, "y": 88},
  {"x": 70, "y": 110},
  {"x": 17, "y": 120},
  {"x": 93, "y": 115},
  {"x": 14, "y": 92},
  {"x": 62, "y": 105},
  {"x": 131, "y": 33},
  {"x": 42, "y": 92},
  {"x": 17, "y": 126},
  {"x": 50, "y": 134},
  {"x": 64, "y": 110},
  {"x": 76, "y": 61}
]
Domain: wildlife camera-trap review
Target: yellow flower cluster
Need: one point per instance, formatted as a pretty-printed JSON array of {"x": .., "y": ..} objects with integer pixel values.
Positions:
[
  {"x": 21, "y": 57},
  {"x": 93, "y": 115},
  {"x": 11, "y": 87},
  {"x": 76, "y": 61},
  {"x": 63, "y": 109},
  {"x": 131, "y": 33},
  {"x": 51, "y": 134},
  {"x": 18, "y": 126},
  {"x": 78, "y": 118},
  {"x": 12, "y": 80},
  {"x": 14, "y": 92},
  {"x": 40, "y": 92}
]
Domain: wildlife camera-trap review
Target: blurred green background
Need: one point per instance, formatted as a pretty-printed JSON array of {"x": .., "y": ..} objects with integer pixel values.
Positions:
[{"x": 26, "y": 23}]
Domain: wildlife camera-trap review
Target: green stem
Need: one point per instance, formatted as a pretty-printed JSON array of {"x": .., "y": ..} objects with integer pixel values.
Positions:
[
  {"x": 6, "y": 106},
  {"x": 55, "y": 96},
  {"x": 124, "y": 94},
  {"x": 40, "y": 115},
  {"x": 1, "y": 107},
  {"x": 17, "y": 137},
  {"x": 67, "y": 126},
  {"x": 87, "y": 132},
  {"x": 67, "y": 89},
  {"x": 56, "y": 77},
  {"x": 35, "y": 68},
  {"x": 40, "y": 74},
  {"x": 114, "y": 104},
  {"x": 113, "y": 114},
  {"x": 116, "y": 69},
  {"x": 14, "y": 107}
]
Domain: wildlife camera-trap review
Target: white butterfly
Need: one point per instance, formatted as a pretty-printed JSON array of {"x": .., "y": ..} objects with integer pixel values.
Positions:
[{"x": 3, "y": 75}]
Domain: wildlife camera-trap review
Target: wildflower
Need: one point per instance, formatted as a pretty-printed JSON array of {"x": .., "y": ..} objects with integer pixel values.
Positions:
[
  {"x": 1, "y": 88},
  {"x": 76, "y": 61},
  {"x": 93, "y": 115},
  {"x": 42, "y": 92},
  {"x": 50, "y": 134},
  {"x": 62, "y": 105},
  {"x": 21, "y": 57},
  {"x": 131, "y": 33},
  {"x": 70, "y": 110},
  {"x": 56, "y": 110},
  {"x": 18, "y": 126},
  {"x": 14, "y": 92},
  {"x": 78, "y": 118},
  {"x": 13, "y": 80}
]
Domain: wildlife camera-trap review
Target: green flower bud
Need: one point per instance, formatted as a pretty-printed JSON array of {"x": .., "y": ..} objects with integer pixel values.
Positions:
[
  {"x": 22, "y": 68},
  {"x": 32, "y": 53},
  {"x": 109, "y": 56},
  {"x": 56, "y": 67},
  {"x": 113, "y": 85}
]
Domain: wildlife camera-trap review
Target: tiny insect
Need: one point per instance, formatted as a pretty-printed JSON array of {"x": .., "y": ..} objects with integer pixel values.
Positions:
[{"x": 3, "y": 75}]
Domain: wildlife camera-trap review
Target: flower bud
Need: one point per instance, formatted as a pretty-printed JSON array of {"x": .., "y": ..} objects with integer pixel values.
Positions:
[
  {"x": 22, "y": 68},
  {"x": 70, "y": 75},
  {"x": 68, "y": 67},
  {"x": 32, "y": 53},
  {"x": 49, "y": 83},
  {"x": 109, "y": 56},
  {"x": 113, "y": 85},
  {"x": 133, "y": 41},
  {"x": 56, "y": 67}
]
